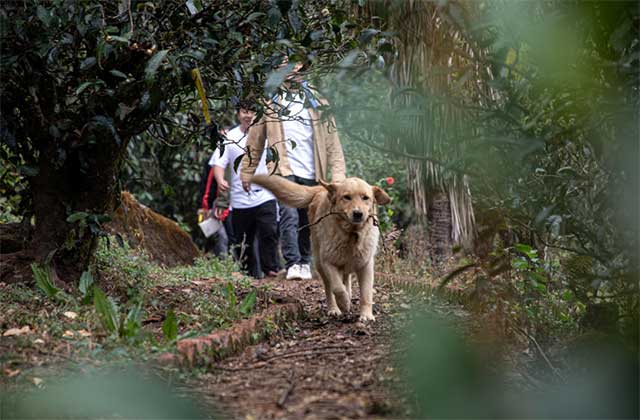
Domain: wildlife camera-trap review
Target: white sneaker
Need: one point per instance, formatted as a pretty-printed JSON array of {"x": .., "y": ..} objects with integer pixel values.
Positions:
[
  {"x": 305, "y": 272},
  {"x": 294, "y": 272}
]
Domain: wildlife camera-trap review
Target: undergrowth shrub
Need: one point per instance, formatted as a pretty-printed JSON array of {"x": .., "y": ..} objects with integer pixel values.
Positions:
[
  {"x": 207, "y": 266},
  {"x": 122, "y": 268}
]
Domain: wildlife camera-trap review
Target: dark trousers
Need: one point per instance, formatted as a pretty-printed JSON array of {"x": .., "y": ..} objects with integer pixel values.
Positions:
[
  {"x": 296, "y": 246},
  {"x": 260, "y": 222}
]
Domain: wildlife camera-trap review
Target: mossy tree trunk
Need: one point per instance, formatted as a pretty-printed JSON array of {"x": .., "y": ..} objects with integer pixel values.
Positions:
[{"x": 70, "y": 200}]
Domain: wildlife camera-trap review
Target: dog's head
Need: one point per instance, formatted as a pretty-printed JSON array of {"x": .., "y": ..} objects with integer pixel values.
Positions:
[{"x": 355, "y": 200}]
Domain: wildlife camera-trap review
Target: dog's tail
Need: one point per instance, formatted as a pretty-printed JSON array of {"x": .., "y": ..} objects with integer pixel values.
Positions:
[{"x": 290, "y": 193}]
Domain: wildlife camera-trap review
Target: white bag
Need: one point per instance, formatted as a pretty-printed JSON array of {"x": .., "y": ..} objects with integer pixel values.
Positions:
[{"x": 210, "y": 226}]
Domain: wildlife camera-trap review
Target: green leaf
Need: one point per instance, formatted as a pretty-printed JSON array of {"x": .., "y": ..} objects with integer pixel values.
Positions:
[
  {"x": 118, "y": 73},
  {"x": 236, "y": 36},
  {"x": 294, "y": 20},
  {"x": 237, "y": 162},
  {"x": 274, "y": 15},
  {"x": 44, "y": 15},
  {"x": 133, "y": 321},
  {"x": 520, "y": 264},
  {"x": 538, "y": 286},
  {"x": 367, "y": 34},
  {"x": 272, "y": 152},
  {"x": 42, "y": 276},
  {"x": 77, "y": 216},
  {"x": 252, "y": 16},
  {"x": 567, "y": 170},
  {"x": 349, "y": 59},
  {"x": 528, "y": 251},
  {"x": 568, "y": 296},
  {"x": 86, "y": 281},
  {"x": 230, "y": 294},
  {"x": 107, "y": 310},
  {"x": 247, "y": 304},
  {"x": 537, "y": 277},
  {"x": 153, "y": 65},
  {"x": 87, "y": 63},
  {"x": 119, "y": 39},
  {"x": 82, "y": 87},
  {"x": 276, "y": 78},
  {"x": 170, "y": 326}
]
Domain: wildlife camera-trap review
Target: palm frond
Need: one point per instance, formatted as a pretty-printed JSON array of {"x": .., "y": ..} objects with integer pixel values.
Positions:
[{"x": 435, "y": 58}]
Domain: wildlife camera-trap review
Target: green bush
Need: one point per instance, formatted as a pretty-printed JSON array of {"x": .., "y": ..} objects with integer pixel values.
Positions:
[{"x": 117, "y": 264}]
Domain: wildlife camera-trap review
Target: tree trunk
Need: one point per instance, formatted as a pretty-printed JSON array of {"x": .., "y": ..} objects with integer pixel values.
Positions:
[
  {"x": 440, "y": 226},
  {"x": 84, "y": 179}
]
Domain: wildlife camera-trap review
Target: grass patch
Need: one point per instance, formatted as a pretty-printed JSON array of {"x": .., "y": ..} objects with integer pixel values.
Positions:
[{"x": 134, "y": 310}]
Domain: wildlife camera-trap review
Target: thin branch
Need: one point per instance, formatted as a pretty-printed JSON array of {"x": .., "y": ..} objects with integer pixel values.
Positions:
[
  {"x": 283, "y": 399},
  {"x": 542, "y": 353},
  {"x": 130, "y": 16}
]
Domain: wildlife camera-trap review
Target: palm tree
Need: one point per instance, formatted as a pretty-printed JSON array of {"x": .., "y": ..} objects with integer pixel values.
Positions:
[{"x": 434, "y": 59}]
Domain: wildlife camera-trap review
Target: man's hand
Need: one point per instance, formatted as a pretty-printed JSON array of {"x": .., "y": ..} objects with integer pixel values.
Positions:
[
  {"x": 246, "y": 185},
  {"x": 218, "y": 213},
  {"x": 223, "y": 185}
]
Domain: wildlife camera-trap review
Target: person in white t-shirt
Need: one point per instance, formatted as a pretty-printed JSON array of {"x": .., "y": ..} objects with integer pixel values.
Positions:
[
  {"x": 308, "y": 147},
  {"x": 254, "y": 211}
]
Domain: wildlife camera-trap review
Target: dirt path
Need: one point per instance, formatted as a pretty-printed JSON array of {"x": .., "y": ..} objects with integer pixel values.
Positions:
[{"x": 319, "y": 367}]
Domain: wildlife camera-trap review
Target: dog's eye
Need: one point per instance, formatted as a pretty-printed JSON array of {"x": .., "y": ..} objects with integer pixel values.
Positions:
[
  {"x": 347, "y": 197},
  {"x": 365, "y": 197}
]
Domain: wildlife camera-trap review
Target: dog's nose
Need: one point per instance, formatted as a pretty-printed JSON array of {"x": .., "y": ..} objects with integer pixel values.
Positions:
[{"x": 357, "y": 216}]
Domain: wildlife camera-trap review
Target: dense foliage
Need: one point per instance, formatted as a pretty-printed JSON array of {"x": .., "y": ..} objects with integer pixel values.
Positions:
[
  {"x": 547, "y": 133},
  {"x": 542, "y": 134},
  {"x": 80, "y": 80}
]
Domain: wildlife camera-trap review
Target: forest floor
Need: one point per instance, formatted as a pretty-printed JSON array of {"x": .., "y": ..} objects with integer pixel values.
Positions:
[
  {"x": 308, "y": 365},
  {"x": 318, "y": 367},
  {"x": 312, "y": 366},
  {"x": 265, "y": 349}
]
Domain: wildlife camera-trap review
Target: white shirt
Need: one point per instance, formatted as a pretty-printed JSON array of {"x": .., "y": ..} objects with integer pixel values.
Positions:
[
  {"x": 297, "y": 128},
  {"x": 240, "y": 199}
]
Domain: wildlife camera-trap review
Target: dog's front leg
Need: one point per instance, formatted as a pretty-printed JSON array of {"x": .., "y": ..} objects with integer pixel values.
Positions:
[
  {"x": 346, "y": 280},
  {"x": 332, "y": 307},
  {"x": 334, "y": 278},
  {"x": 365, "y": 279}
]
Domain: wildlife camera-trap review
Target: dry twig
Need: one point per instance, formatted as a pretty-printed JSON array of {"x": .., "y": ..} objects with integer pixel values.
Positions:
[
  {"x": 287, "y": 392},
  {"x": 543, "y": 354}
]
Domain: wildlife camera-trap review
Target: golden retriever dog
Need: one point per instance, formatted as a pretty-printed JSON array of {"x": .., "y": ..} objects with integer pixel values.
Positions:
[{"x": 344, "y": 234}]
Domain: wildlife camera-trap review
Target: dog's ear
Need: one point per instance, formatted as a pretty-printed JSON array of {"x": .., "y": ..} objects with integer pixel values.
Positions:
[
  {"x": 329, "y": 187},
  {"x": 381, "y": 196}
]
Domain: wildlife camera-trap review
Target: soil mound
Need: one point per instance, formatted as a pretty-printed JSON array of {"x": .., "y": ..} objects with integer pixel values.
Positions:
[{"x": 160, "y": 237}]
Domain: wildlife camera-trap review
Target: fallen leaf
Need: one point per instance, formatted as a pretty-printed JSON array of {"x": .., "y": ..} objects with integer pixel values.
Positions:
[
  {"x": 38, "y": 341},
  {"x": 70, "y": 315},
  {"x": 11, "y": 373},
  {"x": 68, "y": 334},
  {"x": 17, "y": 331},
  {"x": 84, "y": 333},
  {"x": 37, "y": 381}
]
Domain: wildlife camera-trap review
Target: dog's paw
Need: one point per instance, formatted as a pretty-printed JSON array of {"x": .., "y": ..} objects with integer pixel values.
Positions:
[
  {"x": 343, "y": 301},
  {"x": 366, "y": 318},
  {"x": 334, "y": 312}
]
